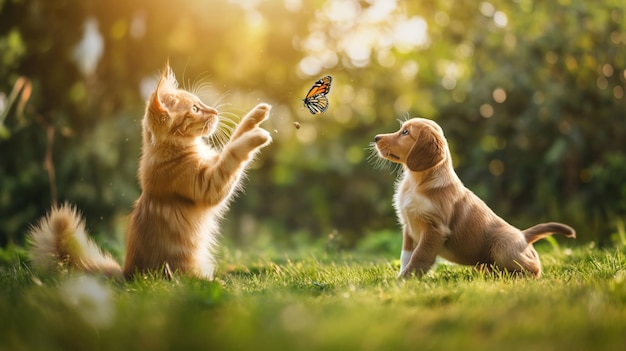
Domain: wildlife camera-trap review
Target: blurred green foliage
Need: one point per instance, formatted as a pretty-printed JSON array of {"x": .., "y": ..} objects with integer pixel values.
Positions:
[{"x": 530, "y": 94}]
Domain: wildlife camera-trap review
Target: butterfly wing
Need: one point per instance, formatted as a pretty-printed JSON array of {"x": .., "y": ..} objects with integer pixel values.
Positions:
[
  {"x": 321, "y": 86},
  {"x": 316, "y": 104},
  {"x": 316, "y": 100}
]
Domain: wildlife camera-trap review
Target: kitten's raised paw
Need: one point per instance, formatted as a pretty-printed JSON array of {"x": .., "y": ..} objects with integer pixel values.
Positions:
[
  {"x": 252, "y": 120},
  {"x": 258, "y": 114},
  {"x": 258, "y": 137}
]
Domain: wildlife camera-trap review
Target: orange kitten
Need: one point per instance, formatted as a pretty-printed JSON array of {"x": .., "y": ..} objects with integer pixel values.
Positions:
[{"x": 186, "y": 188}]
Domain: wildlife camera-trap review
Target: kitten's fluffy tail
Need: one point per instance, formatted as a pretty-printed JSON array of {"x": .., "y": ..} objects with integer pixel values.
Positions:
[{"x": 60, "y": 240}]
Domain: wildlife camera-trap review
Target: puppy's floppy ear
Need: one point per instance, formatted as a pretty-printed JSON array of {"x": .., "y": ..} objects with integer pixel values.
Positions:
[{"x": 427, "y": 151}]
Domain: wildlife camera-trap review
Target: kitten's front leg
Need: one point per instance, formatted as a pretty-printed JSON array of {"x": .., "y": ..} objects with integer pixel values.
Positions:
[
  {"x": 222, "y": 174},
  {"x": 252, "y": 120}
]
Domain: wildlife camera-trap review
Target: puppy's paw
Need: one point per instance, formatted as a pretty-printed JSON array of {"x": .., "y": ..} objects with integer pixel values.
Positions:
[
  {"x": 411, "y": 272},
  {"x": 403, "y": 274}
]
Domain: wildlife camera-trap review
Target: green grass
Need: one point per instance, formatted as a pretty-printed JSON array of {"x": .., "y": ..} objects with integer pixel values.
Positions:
[{"x": 315, "y": 300}]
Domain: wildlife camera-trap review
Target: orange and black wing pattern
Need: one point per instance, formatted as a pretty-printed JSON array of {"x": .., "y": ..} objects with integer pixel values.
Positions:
[{"x": 316, "y": 100}]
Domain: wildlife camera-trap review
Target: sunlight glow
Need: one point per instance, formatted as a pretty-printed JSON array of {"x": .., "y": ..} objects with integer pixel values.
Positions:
[
  {"x": 409, "y": 69},
  {"x": 499, "y": 95},
  {"x": 410, "y": 34},
  {"x": 380, "y": 9},
  {"x": 385, "y": 58},
  {"x": 329, "y": 59},
  {"x": 465, "y": 49},
  {"x": 442, "y": 18},
  {"x": 293, "y": 5},
  {"x": 450, "y": 72},
  {"x": 253, "y": 16},
  {"x": 358, "y": 30},
  {"x": 486, "y": 110},
  {"x": 315, "y": 42},
  {"x": 358, "y": 46},
  {"x": 342, "y": 10},
  {"x": 310, "y": 65},
  {"x": 500, "y": 19},
  {"x": 487, "y": 9}
]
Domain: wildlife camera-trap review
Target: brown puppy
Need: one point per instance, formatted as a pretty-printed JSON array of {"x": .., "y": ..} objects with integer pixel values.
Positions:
[{"x": 441, "y": 217}]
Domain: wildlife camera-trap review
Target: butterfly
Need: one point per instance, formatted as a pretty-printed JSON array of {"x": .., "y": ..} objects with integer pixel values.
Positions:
[{"x": 316, "y": 100}]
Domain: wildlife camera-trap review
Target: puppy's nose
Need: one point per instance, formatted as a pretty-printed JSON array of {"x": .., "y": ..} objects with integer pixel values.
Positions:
[{"x": 377, "y": 138}]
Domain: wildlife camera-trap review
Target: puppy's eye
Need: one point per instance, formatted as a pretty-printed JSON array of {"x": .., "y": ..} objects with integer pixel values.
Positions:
[
  {"x": 405, "y": 132},
  {"x": 195, "y": 109}
]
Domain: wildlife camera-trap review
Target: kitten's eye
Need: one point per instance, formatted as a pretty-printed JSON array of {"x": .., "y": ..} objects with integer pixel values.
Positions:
[
  {"x": 195, "y": 109},
  {"x": 405, "y": 132}
]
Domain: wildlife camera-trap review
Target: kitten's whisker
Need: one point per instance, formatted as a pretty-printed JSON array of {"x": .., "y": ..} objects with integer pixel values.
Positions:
[
  {"x": 221, "y": 97},
  {"x": 229, "y": 127},
  {"x": 220, "y": 105},
  {"x": 231, "y": 115},
  {"x": 222, "y": 133},
  {"x": 222, "y": 139},
  {"x": 230, "y": 118},
  {"x": 227, "y": 123},
  {"x": 227, "y": 130},
  {"x": 202, "y": 86},
  {"x": 205, "y": 127},
  {"x": 198, "y": 85}
]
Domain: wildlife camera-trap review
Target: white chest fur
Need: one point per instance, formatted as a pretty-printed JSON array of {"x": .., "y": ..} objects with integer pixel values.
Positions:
[
  {"x": 410, "y": 202},
  {"x": 411, "y": 205}
]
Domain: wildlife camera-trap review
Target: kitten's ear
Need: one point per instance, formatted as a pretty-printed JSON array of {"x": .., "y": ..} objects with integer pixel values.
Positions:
[
  {"x": 155, "y": 101},
  {"x": 168, "y": 78},
  {"x": 167, "y": 82}
]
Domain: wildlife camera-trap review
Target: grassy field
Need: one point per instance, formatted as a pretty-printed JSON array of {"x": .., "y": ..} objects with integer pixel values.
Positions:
[{"x": 316, "y": 300}]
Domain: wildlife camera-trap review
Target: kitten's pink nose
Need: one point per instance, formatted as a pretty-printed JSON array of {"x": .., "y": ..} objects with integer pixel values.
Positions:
[{"x": 212, "y": 110}]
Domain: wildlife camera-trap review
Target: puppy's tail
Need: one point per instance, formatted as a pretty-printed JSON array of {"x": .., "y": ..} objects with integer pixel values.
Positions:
[
  {"x": 543, "y": 230},
  {"x": 60, "y": 240}
]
